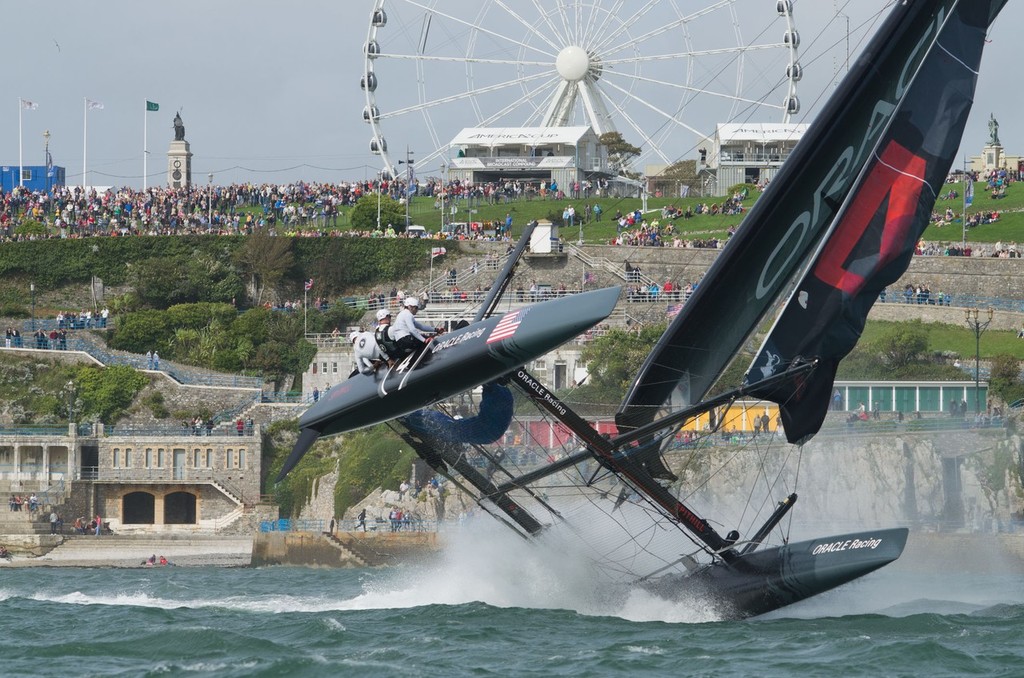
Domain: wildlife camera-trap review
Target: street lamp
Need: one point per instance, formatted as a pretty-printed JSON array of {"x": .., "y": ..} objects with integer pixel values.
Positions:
[
  {"x": 979, "y": 327},
  {"x": 209, "y": 202},
  {"x": 408, "y": 181},
  {"x": 32, "y": 287}
]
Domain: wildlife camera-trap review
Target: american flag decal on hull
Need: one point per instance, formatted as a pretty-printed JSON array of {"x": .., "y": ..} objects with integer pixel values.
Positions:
[{"x": 507, "y": 326}]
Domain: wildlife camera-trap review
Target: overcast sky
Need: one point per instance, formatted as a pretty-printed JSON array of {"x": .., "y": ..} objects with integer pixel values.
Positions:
[{"x": 269, "y": 91}]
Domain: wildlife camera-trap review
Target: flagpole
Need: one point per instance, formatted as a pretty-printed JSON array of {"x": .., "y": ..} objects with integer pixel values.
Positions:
[
  {"x": 145, "y": 144},
  {"x": 85, "y": 141},
  {"x": 305, "y": 307},
  {"x": 21, "y": 162}
]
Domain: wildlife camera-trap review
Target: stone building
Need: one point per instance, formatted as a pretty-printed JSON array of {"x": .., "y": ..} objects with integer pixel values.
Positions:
[{"x": 152, "y": 480}]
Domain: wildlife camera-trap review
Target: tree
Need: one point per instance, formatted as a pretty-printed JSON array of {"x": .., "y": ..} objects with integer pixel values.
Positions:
[
  {"x": 614, "y": 359},
  {"x": 621, "y": 153},
  {"x": 1004, "y": 378},
  {"x": 364, "y": 214},
  {"x": 903, "y": 346},
  {"x": 264, "y": 259}
]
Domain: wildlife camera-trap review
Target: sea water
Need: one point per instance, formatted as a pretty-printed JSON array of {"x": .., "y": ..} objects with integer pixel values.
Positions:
[{"x": 448, "y": 621}]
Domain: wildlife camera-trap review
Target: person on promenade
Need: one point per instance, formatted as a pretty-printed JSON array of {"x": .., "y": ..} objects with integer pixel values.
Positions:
[
  {"x": 53, "y": 521},
  {"x": 361, "y": 520},
  {"x": 99, "y": 524}
]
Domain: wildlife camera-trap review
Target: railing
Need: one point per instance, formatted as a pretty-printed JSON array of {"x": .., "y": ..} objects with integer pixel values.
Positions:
[
  {"x": 178, "y": 431},
  {"x": 289, "y": 525},
  {"x": 33, "y": 430}
]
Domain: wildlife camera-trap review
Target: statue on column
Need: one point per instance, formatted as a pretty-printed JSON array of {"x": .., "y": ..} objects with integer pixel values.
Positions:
[
  {"x": 179, "y": 128},
  {"x": 993, "y": 130}
]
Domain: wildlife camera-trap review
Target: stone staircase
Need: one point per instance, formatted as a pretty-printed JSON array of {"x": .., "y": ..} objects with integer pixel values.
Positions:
[
  {"x": 133, "y": 549},
  {"x": 24, "y": 522}
]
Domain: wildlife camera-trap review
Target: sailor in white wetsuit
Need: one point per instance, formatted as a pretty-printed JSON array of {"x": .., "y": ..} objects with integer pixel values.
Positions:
[{"x": 365, "y": 356}]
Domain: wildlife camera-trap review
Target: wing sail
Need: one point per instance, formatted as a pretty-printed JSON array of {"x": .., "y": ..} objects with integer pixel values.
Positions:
[
  {"x": 788, "y": 223},
  {"x": 878, "y": 226}
]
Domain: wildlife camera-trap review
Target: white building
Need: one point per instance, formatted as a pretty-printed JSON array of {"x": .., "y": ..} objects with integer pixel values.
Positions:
[
  {"x": 750, "y": 153},
  {"x": 530, "y": 154}
]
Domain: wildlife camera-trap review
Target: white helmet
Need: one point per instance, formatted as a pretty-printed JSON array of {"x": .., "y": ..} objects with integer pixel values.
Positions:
[
  {"x": 412, "y": 301},
  {"x": 352, "y": 336},
  {"x": 382, "y": 313}
]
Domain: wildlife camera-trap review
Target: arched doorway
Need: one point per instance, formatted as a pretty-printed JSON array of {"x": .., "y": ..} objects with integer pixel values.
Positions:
[
  {"x": 180, "y": 508},
  {"x": 138, "y": 508}
]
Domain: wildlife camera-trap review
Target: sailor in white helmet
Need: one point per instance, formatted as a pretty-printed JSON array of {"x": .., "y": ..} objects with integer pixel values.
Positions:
[
  {"x": 382, "y": 334},
  {"x": 365, "y": 356},
  {"x": 409, "y": 335}
]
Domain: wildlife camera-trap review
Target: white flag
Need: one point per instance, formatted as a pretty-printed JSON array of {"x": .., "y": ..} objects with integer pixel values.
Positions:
[
  {"x": 30, "y": 105},
  {"x": 93, "y": 105}
]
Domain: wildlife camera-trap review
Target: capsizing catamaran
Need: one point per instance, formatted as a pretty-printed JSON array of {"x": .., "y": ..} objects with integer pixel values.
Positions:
[{"x": 837, "y": 224}]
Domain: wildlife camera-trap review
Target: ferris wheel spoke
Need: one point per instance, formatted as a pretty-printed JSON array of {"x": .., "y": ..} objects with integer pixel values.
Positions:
[
  {"x": 601, "y": 30},
  {"x": 518, "y": 103},
  {"x": 461, "y": 96},
  {"x": 695, "y": 90},
  {"x": 624, "y": 26},
  {"x": 542, "y": 13},
  {"x": 660, "y": 30},
  {"x": 589, "y": 30},
  {"x": 648, "y": 142},
  {"x": 481, "y": 29},
  {"x": 675, "y": 120},
  {"x": 564, "y": 18},
  {"x": 527, "y": 25},
  {"x": 463, "y": 60},
  {"x": 691, "y": 54}
]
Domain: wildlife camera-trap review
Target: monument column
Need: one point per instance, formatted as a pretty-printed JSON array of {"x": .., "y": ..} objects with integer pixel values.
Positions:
[
  {"x": 992, "y": 154},
  {"x": 179, "y": 158}
]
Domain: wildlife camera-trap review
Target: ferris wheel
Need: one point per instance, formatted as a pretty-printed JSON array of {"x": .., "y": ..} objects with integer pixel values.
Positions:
[{"x": 662, "y": 73}]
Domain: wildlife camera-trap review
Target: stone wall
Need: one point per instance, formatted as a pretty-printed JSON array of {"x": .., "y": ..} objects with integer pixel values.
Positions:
[{"x": 849, "y": 482}]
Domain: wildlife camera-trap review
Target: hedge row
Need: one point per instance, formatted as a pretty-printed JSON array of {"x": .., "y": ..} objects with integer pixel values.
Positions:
[{"x": 336, "y": 263}]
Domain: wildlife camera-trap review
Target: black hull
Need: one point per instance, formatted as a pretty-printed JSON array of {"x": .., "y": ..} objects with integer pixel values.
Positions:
[{"x": 768, "y": 579}]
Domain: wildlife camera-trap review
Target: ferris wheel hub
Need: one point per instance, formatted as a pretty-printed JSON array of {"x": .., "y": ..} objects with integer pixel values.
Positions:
[{"x": 572, "y": 63}]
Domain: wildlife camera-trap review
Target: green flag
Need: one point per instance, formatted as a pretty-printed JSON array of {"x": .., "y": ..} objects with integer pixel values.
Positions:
[{"x": 151, "y": 106}]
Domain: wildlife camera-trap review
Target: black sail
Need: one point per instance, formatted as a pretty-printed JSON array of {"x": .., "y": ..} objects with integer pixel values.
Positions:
[
  {"x": 878, "y": 226},
  {"x": 906, "y": 72}
]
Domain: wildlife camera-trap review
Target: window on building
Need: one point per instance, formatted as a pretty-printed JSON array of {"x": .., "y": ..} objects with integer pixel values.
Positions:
[
  {"x": 195, "y": 458},
  {"x": 149, "y": 457},
  {"x": 26, "y": 174},
  {"x": 229, "y": 458},
  {"x": 160, "y": 457},
  {"x": 127, "y": 457},
  {"x": 334, "y": 368},
  {"x": 116, "y": 462},
  {"x": 314, "y": 368},
  {"x": 209, "y": 458},
  {"x": 324, "y": 370},
  {"x": 241, "y": 458}
]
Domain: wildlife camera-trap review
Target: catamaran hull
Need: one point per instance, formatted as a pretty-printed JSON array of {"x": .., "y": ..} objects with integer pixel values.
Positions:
[{"x": 768, "y": 579}]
